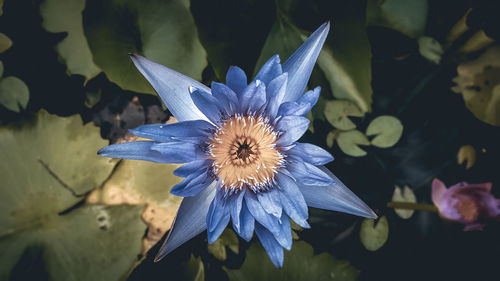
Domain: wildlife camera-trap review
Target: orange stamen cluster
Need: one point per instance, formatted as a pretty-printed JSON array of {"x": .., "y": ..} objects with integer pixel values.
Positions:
[{"x": 244, "y": 153}]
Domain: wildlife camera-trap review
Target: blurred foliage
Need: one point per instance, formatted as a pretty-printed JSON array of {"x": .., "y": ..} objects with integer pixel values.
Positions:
[
  {"x": 227, "y": 239},
  {"x": 374, "y": 234},
  {"x": 5, "y": 43},
  {"x": 300, "y": 263},
  {"x": 14, "y": 94},
  {"x": 466, "y": 154}
]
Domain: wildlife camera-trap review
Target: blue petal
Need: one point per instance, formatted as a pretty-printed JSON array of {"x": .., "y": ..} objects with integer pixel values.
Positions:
[
  {"x": 165, "y": 132},
  {"x": 178, "y": 152},
  {"x": 270, "y": 70},
  {"x": 217, "y": 210},
  {"x": 172, "y": 88},
  {"x": 301, "y": 63},
  {"x": 192, "y": 185},
  {"x": 191, "y": 168},
  {"x": 310, "y": 98},
  {"x": 138, "y": 150},
  {"x": 293, "y": 108},
  {"x": 189, "y": 222},
  {"x": 207, "y": 104},
  {"x": 335, "y": 197},
  {"x": 247, "y": 225},
  {"x": 236, "y": 205},
  {"x": 225, "y": 95},
  {"x": 236, "y": 79},
  {"x": 292, "y": 200},
  {"x": 270, "y": 201},
  {"x": 308, "y": 174},
  {"x": 286, "y": 232},
  {"x": 217, "y": 231},
  {"x": 275, "y": 93},
  {"x": 272, "y": 247},
  {"x": 268, "y": 221},
  {"x": 292, "y": 128},
  {"x": 254, "y": 97},
  {"x": 311, "y": 153}
]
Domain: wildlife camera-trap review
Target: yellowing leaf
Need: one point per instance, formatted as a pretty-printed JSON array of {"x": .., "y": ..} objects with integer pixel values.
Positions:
[
  {"x": 337, "y": 112},
  {"x": 373, "y": 236},
  {"x": 387, "y": 129},
  {"x": 5, "y": 43},
  {"x": 330, "y": 138},
  {"x": 405, "y": 195},
  {"x": 349, "y": 142},
  {"x": 66, "y": 16},
  {"x": 467, "y": 153},
  {"x": 14, "y": 94}
]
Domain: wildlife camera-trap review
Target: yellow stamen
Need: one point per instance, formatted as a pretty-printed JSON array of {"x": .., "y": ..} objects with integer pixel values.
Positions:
[{"x": 244, "y": 153}]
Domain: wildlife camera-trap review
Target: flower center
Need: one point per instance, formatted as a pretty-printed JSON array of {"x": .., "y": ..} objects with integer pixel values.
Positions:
[
  {"x": 468, "y": 209},
  {"x": 244, "y": 153}
]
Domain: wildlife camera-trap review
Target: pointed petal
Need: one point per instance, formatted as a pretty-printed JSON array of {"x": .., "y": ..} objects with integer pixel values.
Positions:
[
  {"x": 292, "y": 108},
  {"x": 310, "y": 98},
  {"x": 165, "y": 132},
  {"x": 311, "y": 153},
  {"x": 253, "y": 97},
  {"x": 178, "y": 152},
  {"x": 217, "y": 210},
  {"x": 172, "y": 87},
  {"x": 335, "y": 197},
  {"x": 138, "y": 150},
  {"x": 225, "y": 95},
  {"x": 309, "y": 174},
  {"x": 268, "y": 221},
  {"x": 192, "y": 185},
  {"x": 247, "y": 223},
  {"x": 292, "y": 128},
  {"x": 275, "y": 92},
  {"x": 272, "y": 247},
  {"x": 301, "y": 63},
  {"x": 286, "y": 232},
  {"x": 189, "y": 222},
  {"x": 236, "y": 205},
  {"x": 270, "y": 201},
  {"x": 236, "y": 79},
  {"x": 270, "y": 70},
  {"x": 206, "y": 103},
  {"x": 438, "y": 191},
  {"x": 293, "y": 201},
  {"x": 217, "y": 231},
  {"x": 192, "y": 167}
]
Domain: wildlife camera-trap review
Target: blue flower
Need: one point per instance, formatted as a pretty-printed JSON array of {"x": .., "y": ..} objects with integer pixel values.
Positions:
[{"x": 240, "y": 145}]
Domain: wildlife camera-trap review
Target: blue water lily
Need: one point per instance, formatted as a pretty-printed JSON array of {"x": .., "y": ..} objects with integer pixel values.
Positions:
[{"x": 239, "y": 141}]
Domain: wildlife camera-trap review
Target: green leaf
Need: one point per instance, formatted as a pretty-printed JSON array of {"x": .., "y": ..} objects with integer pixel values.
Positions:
[
  {"x": 373, "y": 236},
  {"x": 218, "y": 248},
  {"x": 300, "y": 264},
  {"x": 386, "y": 129},
  {"x": 346, "y": 59},
  {"x": 337, "y": 112},
  {"x": 162, "y": 31},
  {"x": 430, "y": 49},
  {"x": 406, "y": 16},
  {"x": 5, "y": 43},
  {"x": 66, "y": 16},
  {"x": 479, "y": 82},
  {"x": 46, "y": 166},
  {"x": 405, "y": 195},
  {"x": 194, "y": 269},
  {"x": 467, "y": 154},
  {"x": 349, "y": 142},
  {"x": 14, "y": 94},
  {"x": 1, "y": 69},
  {"x": 330, "y": 138}
]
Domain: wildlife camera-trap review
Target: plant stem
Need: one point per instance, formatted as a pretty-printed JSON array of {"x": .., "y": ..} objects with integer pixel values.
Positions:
[{"x": 413, "y": 206}]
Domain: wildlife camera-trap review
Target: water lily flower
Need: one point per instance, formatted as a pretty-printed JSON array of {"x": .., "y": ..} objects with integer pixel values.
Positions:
[
  {"x": 469, "y": 204},
  {"x": 239, "y": 141}
]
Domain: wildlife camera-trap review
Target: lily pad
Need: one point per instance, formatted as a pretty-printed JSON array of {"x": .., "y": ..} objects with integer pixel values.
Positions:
[
  {"x": 349, "y": 142},
  {"x": 162, "y": 31},
  {"x": 47, "y": 165},
  {"x": 66, "y": 16},
  {"x": 330, "y": 138},
  {"x": 218, "y": 248},
  {"x": 14, "y": 94},
  {"x": 467, "y": 154},
  {"x": 386, "y": 129},
  {"x": 299, "y": 264},
  {"x": 479, "y": 82},
  {"x": 5, "y": 43},
  {"x": 430, "y": 49},
  {"x": 337, "y": 112},
  {"x": 194, "y": 269},
  {"x": 405, "y": 195},
  {"x": 373, "y": 236},
  {"x": 406, "y": 16},
  {"x": 140, "y": 182}
]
